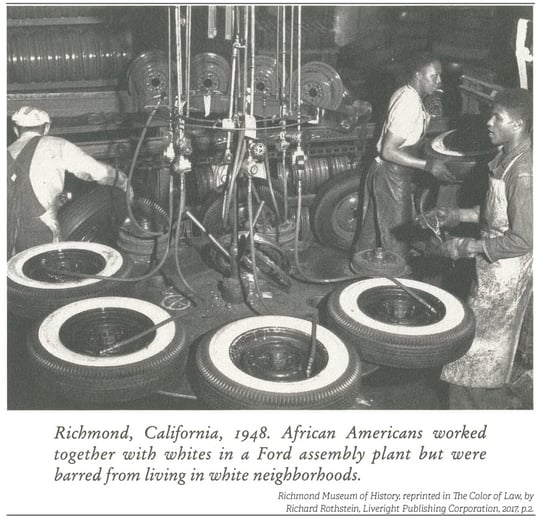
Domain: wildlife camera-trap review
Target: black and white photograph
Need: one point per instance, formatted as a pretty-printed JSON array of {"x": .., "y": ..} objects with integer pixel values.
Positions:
[{"x": 321, "y": 214}]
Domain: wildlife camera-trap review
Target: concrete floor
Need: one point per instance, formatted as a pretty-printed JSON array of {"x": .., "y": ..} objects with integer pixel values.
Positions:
[{"x": 381, "y": 388}]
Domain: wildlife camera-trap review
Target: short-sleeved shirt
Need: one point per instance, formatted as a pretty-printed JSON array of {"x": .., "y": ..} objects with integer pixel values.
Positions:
[{"x": 406, "y": 117}]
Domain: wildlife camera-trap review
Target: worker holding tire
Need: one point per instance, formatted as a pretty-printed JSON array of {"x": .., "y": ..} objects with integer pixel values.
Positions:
[
  {"x": 36, "y": 172},
  {"x": 503, "y": 255},
  {"x": 388, "y": 187}
]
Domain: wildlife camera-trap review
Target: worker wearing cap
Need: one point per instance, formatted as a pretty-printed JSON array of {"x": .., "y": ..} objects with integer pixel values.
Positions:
[
  {"x": 36, "y": 171},
  {"x": 389, "y": 182}
]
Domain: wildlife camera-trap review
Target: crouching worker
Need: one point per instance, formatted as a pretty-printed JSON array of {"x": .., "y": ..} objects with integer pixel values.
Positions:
[
  {"x": 36, "y": 172},
  {"x": 503, "y": 259}
]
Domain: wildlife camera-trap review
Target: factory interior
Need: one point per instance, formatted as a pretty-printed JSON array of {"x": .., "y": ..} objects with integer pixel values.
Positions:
[{"x": 224, "y": 277}]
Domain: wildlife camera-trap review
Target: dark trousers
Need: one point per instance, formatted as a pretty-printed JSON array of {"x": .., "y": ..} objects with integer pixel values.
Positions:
[{"x": 387, "y": 210}]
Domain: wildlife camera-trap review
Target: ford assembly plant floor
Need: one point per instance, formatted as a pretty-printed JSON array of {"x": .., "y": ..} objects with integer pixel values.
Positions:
[{"x": 381, "y": 388}]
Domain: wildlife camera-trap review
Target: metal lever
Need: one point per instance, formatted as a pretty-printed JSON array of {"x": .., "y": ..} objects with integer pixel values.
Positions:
[
  {"x": 209, "y": 235},
  {"x": 411, "y": 293}
]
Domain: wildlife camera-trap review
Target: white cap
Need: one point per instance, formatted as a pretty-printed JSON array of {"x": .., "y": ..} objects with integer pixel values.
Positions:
[{"x": 30, "y": 117}]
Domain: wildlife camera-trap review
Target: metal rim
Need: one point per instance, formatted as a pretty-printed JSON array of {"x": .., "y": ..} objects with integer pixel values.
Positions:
[
  {"x": 93, "y": 331},
  {"x": 394, "y": 306},
  {"x": 344, "y": 216},
  {"x": 265, "y": 73},
  {"x": 17, "y": 274},
  {"x": 337, "y": 363},
  {"x": 325, "y": 81},
  {"x": 210, "y": 73},
  {"x": 349, "y": 297},
  {"x": 276, "y": 354},
  {"x": 49, "y": 330},
  {"x": 44, "y": 267}
]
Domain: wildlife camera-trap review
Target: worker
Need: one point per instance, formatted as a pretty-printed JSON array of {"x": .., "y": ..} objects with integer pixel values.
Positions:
[
  {"x": 388, "y": 186},
  {"x": 36, "y": 171},
  {"x": 503, "y": 259}
]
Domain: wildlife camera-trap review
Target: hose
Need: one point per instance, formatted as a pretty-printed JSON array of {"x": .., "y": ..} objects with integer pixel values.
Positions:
[
  {"x": 305, "y": 277},
  {"x": 253, "y": 247},
  {"x": 178, "y": 233},
  {"x": 271, "y": 190},
  {"x": 131, "y": 171},
  {"x": 240, "y": 152}
]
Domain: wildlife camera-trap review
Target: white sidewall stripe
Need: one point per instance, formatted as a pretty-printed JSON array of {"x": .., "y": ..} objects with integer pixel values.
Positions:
[
  {"x": 219, "y": 353},
  {"x": 113, "y": 262},
  {"x": 453, "y": 317},
  {"x": 48, "y": 333}
]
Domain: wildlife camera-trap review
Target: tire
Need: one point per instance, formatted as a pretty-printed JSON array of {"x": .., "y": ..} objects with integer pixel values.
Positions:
[
  {"x": 271, "y": 263},
  {"x": 32, "y": 292},
  {"x": 94, "y": 217},
  {"x": 134, "y": 241},
  {"x": 57, "y": 342},
  {"x": 361, "y": 314},
  {"x": 335, "y": 209},
  {"x": 211, "y": 212},
  {"x": 220, "y": 380}
]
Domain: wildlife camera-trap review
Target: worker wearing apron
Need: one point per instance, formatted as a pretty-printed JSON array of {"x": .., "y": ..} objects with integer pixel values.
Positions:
[
  {"x": 503, "y": 260},
  {"x": 388, "y": 203},
  {"x": 36, "y": 172}
]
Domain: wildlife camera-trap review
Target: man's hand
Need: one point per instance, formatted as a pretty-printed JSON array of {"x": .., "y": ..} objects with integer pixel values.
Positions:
[
  {"x": 440, "y": 217},
  {"x": 439, "y": 170},
  {"x": 122, "y": 182},
  {"x": 457, "y": 248}
]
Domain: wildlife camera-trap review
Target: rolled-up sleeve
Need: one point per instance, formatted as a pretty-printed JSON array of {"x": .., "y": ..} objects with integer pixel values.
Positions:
[
  {"x": 85, "y": 167},
  {"x": 517, "y": 240}
]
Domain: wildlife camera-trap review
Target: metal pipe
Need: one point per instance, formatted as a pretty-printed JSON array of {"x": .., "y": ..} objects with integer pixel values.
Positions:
[
  {"x": 213, "y": 240},
  {"x": 170, "y": 97},
  {"x": 179, "y": 62},
  {"x": 283, "y": 56},
  {"x": 299, "y": 64},
  {"x": 411, "y": 293},
  {"x": 245, "y": 58},
  {"x": 252, "y": 57},
  {"x": 291, "y": 53},
  {"x": 188, "y": 42},
  {"x": 277, "y": 74}
]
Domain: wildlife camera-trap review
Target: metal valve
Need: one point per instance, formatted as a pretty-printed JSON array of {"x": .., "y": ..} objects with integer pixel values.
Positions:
[
  {"x": 181, "y": 165},
  {"x": 258, "y": 150}
]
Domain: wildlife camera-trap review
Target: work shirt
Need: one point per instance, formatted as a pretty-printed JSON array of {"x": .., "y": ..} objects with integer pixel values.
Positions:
[
  {"x": 407, "y": 117},
  {"x": 516, "y": 240},
  {"x": 54, "y": 156}
]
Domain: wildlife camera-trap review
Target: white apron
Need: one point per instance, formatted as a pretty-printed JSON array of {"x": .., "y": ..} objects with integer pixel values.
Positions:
[{"x": 499, "y": 300}]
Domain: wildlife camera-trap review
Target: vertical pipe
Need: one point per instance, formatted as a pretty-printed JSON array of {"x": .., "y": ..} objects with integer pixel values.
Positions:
[
  {"x": 277, "y": 72},
  {"x": 283, "y": 54},
  {"x": 245, "y": 59},
  {"x": 291, "y": 54},
  {"x": 179, "y": 62},
  {"x": 299, "y": 64},
  {"x": 252, "y": 57},
  {"x": 188, "y": 38},
  {"x": 170, "y": 88}
]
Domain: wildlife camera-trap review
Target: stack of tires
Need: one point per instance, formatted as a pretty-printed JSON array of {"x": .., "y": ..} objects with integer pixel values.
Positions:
[{"x": 147, "y": 239}]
